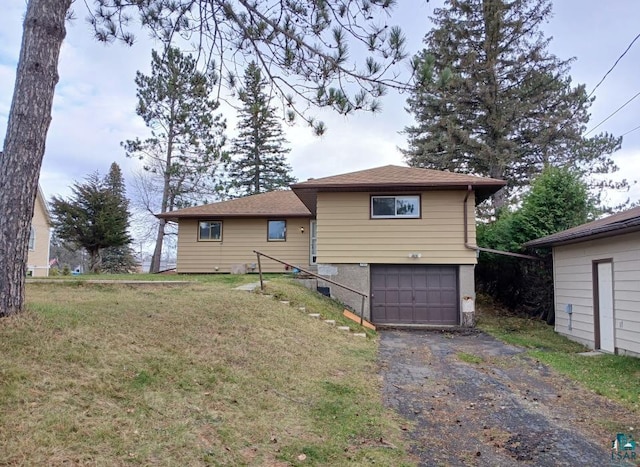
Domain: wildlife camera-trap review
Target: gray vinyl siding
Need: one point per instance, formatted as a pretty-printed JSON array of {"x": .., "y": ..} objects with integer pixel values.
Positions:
[{"x": 573, "y": 279}]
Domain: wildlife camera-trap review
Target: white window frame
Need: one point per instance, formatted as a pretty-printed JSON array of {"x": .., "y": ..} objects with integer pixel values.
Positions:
[
  {"x": 313, "y": 242},
  {"x": 415, "y": 215},
  {"x": 269, "y": 239},
  {"x": 32, "y": 239}
]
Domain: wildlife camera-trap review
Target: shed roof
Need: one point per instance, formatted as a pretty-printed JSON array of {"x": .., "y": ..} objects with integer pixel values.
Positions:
[
  {"x": 393, "y": 178},
  {"x": 283, "y": 203},
  {"x": 616, "y": 224}
]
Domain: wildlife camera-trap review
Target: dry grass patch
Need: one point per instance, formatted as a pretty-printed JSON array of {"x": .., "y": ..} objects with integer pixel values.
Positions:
[{"x": 192, "y": 375}]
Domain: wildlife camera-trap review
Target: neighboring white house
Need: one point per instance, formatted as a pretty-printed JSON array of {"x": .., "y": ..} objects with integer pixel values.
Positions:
[{"x": 596, "y": 270}]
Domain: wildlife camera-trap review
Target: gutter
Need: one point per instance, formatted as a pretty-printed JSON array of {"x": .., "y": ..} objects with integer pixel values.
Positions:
[{"x": 476, "y": 247}]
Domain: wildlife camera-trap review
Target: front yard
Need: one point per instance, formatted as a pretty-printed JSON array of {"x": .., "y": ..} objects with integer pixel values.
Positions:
[{"x": 187, "y": 375}]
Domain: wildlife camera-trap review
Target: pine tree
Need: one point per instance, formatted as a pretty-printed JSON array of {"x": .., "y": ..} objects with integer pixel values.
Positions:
[
  {"x": 117, "y": 259},
  {"x": 305, "y": 48},
  {"x": 491, "y": 100},
  {"x": 186, "y": 140},
  {"x": 259, "y": 157},
  {"x": 94, "y": 217}
]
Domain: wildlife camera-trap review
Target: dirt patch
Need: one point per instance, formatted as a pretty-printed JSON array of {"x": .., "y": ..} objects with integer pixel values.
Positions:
[{"x": 472, "y": 400}]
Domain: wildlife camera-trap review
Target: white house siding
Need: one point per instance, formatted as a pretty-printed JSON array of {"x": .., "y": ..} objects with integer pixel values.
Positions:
[{"x": 573, "y": 271}]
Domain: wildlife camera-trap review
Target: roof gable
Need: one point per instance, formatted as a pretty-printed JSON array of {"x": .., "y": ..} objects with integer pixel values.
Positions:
[
  {"x": 393, "y": 178},
  {"x": 41, "y": 200},
  {"x": 283, "y": 203},
  {"x": 616, "y": 224}
]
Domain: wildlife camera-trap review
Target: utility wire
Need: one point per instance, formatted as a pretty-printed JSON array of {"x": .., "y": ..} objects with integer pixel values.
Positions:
[
  {"x": 614, "y": 65},
  {"x": 613, "y": 113},
  {"x": 597, "y": 86},
  {"x": 631, "y": 131}
]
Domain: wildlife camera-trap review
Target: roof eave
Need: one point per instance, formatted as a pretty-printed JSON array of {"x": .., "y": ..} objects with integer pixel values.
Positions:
[
  {"x": 585, "y": 237},
  {"x": 172, "y": 217},
  {"x": 308, "y": 193}
]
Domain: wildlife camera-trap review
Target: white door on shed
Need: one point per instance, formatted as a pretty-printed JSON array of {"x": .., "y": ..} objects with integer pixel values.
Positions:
[{"x": 605, "y": 306}]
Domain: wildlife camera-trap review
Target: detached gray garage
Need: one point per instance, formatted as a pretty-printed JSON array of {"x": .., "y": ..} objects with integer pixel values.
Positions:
[
  {"x": 414, "y": 294},
  {"x": 596, "y": 276}
]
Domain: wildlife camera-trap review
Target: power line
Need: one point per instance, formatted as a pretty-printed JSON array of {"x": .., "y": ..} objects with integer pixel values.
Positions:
[
  {"x": 613, "y": 113},
  {"x": 631, "y": 131},
  {"x": 614, "y": 65}
]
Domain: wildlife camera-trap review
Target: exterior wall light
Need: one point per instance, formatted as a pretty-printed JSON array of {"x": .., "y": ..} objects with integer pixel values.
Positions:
[{"x": 301, "y": 230}]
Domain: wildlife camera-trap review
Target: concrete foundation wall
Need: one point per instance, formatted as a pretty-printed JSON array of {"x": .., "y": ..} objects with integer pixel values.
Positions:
[
  {"x": 355, "y": 276},
  {"x": 467, "y": 291}
]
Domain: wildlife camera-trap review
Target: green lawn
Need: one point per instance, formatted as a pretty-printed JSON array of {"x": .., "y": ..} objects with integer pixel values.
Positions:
[{"x": 197, "y": 374}]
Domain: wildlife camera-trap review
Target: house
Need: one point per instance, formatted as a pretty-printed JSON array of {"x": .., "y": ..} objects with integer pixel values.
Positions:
[
  {"x": 596, "y": 270},
  {"x": 403, "y": 236},
  {"x": 39, "y": 238}
]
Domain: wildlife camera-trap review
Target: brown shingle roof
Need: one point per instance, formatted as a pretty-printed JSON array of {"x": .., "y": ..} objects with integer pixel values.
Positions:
[
  {"x": 616, "y": 224},
  {"x": 282, "y": 203},
  {"x": 394, "y": 175},
  {"x": 396, "y": 178}
]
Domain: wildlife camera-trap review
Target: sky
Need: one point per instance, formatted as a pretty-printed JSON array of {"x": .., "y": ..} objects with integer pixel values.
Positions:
[{"x": 94, "y": 105}]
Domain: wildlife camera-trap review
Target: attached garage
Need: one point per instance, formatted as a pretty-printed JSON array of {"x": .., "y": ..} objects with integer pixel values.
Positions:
[{"x": 414, "y": 294}]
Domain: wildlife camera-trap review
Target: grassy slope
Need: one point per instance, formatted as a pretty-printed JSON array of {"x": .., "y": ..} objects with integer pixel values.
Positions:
[
  {"x": 613, "y": 376},
  {"x": 198, "y": 374}
]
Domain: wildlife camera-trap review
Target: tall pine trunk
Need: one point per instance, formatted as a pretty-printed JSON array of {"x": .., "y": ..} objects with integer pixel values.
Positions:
[
  {"x": 164, "y": 205},
  {"x": 157, "y": 251},
  {"x": 24, "y": 144}
]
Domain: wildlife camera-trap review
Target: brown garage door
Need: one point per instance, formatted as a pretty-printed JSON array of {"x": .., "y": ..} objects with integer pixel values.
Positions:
[{"x": 414, "y": 294}]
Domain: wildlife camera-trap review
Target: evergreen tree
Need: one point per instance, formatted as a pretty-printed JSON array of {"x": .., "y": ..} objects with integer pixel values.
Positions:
[
  {"x": 186, "y": 140},
  {"x": 491, "y": 100},
  {"x": 119, "y": 260},
  {"x": 305, "y": 47},
  {"x": 94, "y": 217},
  {"x": 259, "y": 157},
  {"x": 558, "y": 200}
]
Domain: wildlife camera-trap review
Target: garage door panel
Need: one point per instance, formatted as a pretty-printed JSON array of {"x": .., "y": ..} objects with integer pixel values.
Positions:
[
  {"x": 448, "y": 296},
  {"x": 414, "y": 294},
  {"x": 378, "y": 281},
  {"x": 392, "y": 312},
  {"x": 420, "y": 295},
  {"x": 405, "y": 297},
  {"x": 392, "y": 281},
  {"x": 405, "y": 281},
  {"x": 405, "y": 314}
]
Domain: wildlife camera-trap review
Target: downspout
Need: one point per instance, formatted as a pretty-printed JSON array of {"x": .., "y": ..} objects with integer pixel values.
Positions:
[{"x": 477, "y": 248}]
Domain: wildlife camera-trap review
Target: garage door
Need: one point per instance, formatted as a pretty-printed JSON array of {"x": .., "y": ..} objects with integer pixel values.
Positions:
[{"x": 414, "y": 294}]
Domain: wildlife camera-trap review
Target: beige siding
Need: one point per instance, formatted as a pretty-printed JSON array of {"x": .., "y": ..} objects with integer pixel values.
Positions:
[
  {"x": 38, "y": 258},
  {"x": 239, "y": 238},
  {"x": 347, "y": 234},
  {"x": 574, "y": 285}
]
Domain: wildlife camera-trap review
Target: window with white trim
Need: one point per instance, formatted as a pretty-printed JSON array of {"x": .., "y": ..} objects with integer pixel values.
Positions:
[
  {"x": 32, "y": 239},
  {"x": 210, "y": 231},
  {"x": 277, "y": 231},
  {"x": 388, "y": 207}
]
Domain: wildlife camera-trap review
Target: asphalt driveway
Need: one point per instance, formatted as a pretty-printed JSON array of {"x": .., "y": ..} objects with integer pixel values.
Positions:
[{"x": 471, "y": 400}]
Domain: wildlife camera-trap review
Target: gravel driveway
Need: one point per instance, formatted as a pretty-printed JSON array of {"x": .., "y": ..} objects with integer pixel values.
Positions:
[{"x": 497, "y": 408}]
